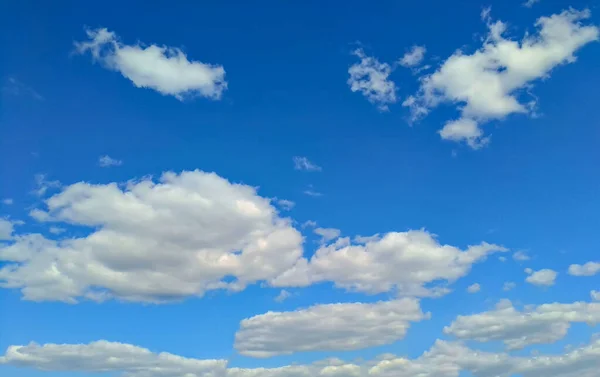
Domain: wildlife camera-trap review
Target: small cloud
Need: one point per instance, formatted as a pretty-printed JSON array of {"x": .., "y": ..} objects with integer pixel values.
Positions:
[
  {"x": 106, "y": 161},
  {"x": 327, "y": 234},
  {"x": 302, "y": 163},
  {"x": 509, "y": 285},
  {"x": 14, "y": 87},
  {"x": 6, "y": 229},
  {"x": 309, "y": 223},
  {"x": 56, "y": 230},
  {"x": 285, "y": 204},
  {"x": 371, "y": 79},
  {"x": 595, "y": 295},
  {"x": 502, "y": 259},
  {"x": 42, "y": 184},
  {"x": 413, "y": 57},
  {"x": 310, "y": 191},
  {"x": 367, "y": 239},
  {"x": 544, "y": 277},
  {"x": 521, "y": 256},
  {"x": 530, "y": 3},
  {"x": 164, "y": 69},
  {"x": 474, "y": 288},
  {"x": 283, "y": 295},
  {"x": 7, "y": 201}
]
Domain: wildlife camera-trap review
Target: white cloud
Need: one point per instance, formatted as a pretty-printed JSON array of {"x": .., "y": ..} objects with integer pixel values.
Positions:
[
  {"x": 6, "y": 229},
  {"x": 414, "y": 57},
  {"x": 588, "y": 269},
  {"x": 444, "y": 359},
  {"x": 303, "y": 163},
  {"x": 310, "y": 191},
  {"x": 509, "y": 285},
  {"x": 7, "y": 201},
  {"x": 309, "y": 223},
  {"x": 371, "y": 79},
  {"x": 595, "y": 295},
  {"x": 104, "y": 356},
  {"x": 328, "y": 327},
  {"x": 543, "y": 324},
  {"x": 544, "y": 277},
  {"x": 42, "y": 184},
  {"x": 106, "y": 161},
  {"x": 167, "y": 70},
  {"x": 56, "y": 230},
  {"x": 474, "y": 288},
  {"x": 521, "y": 256},
  {"x": 487, "y": 83},
  {"x": 283, "y": 295},
  {"x": 373, "y": 267},
  {"x": 216, "y": 230},
  {"x": 327, "y": 234},
  {"x": 285, "y": 204},
  {"x": 530, "y": 3}
]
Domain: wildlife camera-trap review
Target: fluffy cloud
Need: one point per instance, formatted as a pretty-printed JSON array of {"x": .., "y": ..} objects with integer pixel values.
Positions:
[
  {"x": 153, "y": 241},
  {"x": 487, "y": 84},
  {"x": 588, "y": 269},
  {"x": 517, "y": 329},
  {"x": 371, "y": 79},
  {"x": 413, "y": 57},
  {"x": 303, "y": 163},
  {"x": 329, "y": 327},
  {"x": 167, "y": 70},
  {"x": 285, "y": 204},
  {"x": 6, "y": 229},
  {"x": 106, "y": 161},
  {"x": 545, "y": 277},
  {"x": 444, "y": 359},
  {"x": 327, "y": 234},
  {"x": 474, "y": 288},
  {"x": 103, "y": 356},
  {"x": 404, "y": 262}
]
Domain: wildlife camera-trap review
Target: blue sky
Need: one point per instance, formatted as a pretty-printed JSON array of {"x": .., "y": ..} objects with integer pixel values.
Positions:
[{"x": 290, "y": 129}]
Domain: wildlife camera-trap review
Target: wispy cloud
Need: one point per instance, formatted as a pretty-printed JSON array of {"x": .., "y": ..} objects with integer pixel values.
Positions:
[
  {"x": 303, "y": 163},
  {"x": 14, "y": 87},
  {"x": 107, "y": 161}
]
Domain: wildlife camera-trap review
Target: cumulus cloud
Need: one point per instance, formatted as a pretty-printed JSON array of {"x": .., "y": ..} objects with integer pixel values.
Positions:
[
  {"x": 588, "y": 269},
  {"x": 303, "y": 163},
  {"x": 166, "y": 70},
  {"x": 152, "y": 241},
  {"x": 371, "y": 79},
  {"x": 521, "y": 256},
  {"x": 474, "y": 288},
  {"x": 488, "y": 83},
  {"x": 401, "y": 261},
  {"x": 444, "y": 359},
  {"x": 106, "y": 161},
  {"x": 414, "y": 57},
  {"x": 6, "y": 229},
  {"x": 544, "y": 277},
  {"x": 328, "y": 327},
  {"x": 543, "y": 324}
]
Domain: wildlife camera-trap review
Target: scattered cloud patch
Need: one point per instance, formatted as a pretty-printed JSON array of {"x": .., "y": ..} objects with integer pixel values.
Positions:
[
  {"x": 310, "y": 191},
  {"x": 414, "y": 57},
  {"x": 530, "y": 3},
  {"x": 283, "y": 295},
  {"x": 6, "y": 229},
  {"x": 327, "y": 328},
  {"x": 56, "y": 230},
  {"x": 544, "y": 277},
  {"x": 166, "y": 70},
  {"x": 521, "y": 256},
  {"x": 373, "y": 267},
  {"x": 488, "y": 83},
  {"x": 327, "y": 234},
  {"x": 588, "y": 269},
  {"x": 508, "y": 286},
  {"x": 285, "y": 204},
  {"x": 42, "y": 184},
  {"x": 7, "y": 201},
  {"x": 303, "y": 163},
  {"x": 14, "y": 87},
  {"x": 543, "y": 324},
  {"x": 371, "y": 79},
  {"x": 107, "y": 161},
  {"x": 474, "y": 288}
]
